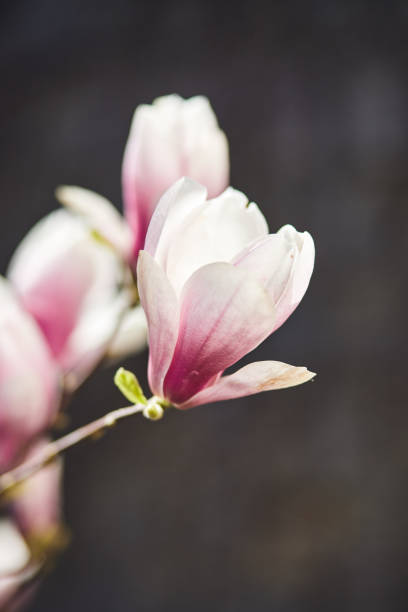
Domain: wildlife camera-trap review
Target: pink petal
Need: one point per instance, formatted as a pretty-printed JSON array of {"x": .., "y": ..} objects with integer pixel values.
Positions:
[
  {"x": 253, "y": 378},
  {"x": 283, "y": 263},
  {"x": 68, "y": 282},
  {"x": 29, "y": 379},
  {"x": 162, "y": 312},
  {"x": 55, "y": 301},
  {"x": 224, "y": 315}
]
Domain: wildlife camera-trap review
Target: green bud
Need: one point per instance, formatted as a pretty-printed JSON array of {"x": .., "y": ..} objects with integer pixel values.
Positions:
[
  {"x": 153, "y": 412},
  {"x": 129, "y": 385}
]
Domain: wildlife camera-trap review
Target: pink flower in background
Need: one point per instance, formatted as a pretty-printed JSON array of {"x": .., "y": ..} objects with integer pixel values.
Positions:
[
  {"x": 68, "y": 283},
  {"x": 37, "y": 507},
  {"x": 214, "y": 284},
  {"x": 30, "y": 532},
  {"x": 29, "y": 378},
  {"x": 169, "y": 139}
]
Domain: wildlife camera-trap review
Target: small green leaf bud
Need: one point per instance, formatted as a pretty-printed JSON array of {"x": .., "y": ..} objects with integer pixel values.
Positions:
[{"x": 129, "y": 385}]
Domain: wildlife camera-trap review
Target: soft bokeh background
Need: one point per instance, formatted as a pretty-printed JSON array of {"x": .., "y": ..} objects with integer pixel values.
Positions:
[{"x": 292, "y": 501}]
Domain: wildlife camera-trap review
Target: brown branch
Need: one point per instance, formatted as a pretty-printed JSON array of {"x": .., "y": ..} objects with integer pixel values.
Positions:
[{"x": 53, "y": 449}]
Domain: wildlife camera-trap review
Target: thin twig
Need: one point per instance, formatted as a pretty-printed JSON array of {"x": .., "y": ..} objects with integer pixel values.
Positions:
[{"x": 49, "y": 452}]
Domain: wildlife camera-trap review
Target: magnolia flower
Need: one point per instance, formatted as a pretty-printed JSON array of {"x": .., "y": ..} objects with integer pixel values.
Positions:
[
  {"x": 68, "y": 282},
  {"x": 214, "y": 284},
  {"x": 37, "y": 506},
  {"x": 169, "y": 139},
  {"x": 30, "y": 532},
  {"x": 29, "y": 378}
]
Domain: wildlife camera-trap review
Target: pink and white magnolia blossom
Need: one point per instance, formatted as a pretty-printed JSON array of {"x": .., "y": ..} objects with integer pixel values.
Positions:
[
  {"x": 30, "y": 532},
  {"x": 29, "y": 378},
  {"x": 68, "y": 282},
  {"x": 214, "y": 284},
  {"x": 168, "y": 139},
  {"x": 37, "y": 506}
]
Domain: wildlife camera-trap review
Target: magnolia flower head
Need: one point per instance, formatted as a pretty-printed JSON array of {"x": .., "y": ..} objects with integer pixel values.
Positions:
[
  {"x": 31, "y": 531},
  {"x": 68, "y": 283},
  {"x": 168, "y": 139},
  {"x": 214, "y": 284}
]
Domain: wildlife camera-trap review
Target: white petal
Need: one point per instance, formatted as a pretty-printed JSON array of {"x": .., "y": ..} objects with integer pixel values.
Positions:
[
  {"x": 99, "y": 214},
  {"x": 215, "y": 231},
  {"x": 283, "y": 264},
  {"x": 14, "y": 552},
  {"x": 176, "y": 205},
  {"x": 132, "y": 335}
]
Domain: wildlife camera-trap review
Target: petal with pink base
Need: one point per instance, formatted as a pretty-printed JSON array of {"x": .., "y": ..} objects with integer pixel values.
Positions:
[
  {"x": 68, "y": 282},
  {"x": 162, "y": 313},
  {"x": 169, "y": 139},
  {"x": 253, "y": 378},
  {"x": 224, "y": 315},
  {"x": 29, "y": 380}
]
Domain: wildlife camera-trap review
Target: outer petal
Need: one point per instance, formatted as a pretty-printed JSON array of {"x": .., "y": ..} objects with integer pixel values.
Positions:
[
  {"x": 99, "y": 215},
  {"x": 167, "y": 140},
  {"x": 68, "y": 282},
  {"x": 162, "y": 312},
  {"x": 215, "y": 231},
  {"x": 29, "y": 380},
  {"x": 206, "y": 146},
  {"x": 253, "y": 378},
  {"x": 131, "y": 336},
  {"x": 283, "y": 263},
  {"x": 224, "y": 315}
]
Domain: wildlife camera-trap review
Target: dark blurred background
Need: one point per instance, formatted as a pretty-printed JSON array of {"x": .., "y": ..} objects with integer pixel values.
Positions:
[{"x": 292, "y": 501}]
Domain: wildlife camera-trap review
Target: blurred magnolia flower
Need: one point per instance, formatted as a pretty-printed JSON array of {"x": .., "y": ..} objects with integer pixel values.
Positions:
[
  {"x": 69, "y": 283},
  {"x": 37, "y": 504},
  {"x": 169, "y": 139},
  {"x": 29, "y": 378},
  {"x": 30, "y": 533},
  {"x": 15, "y": 569},
  {"x": 214, "y": 285}
]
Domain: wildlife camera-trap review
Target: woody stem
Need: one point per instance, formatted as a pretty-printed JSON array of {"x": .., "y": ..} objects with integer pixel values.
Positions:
[{"x": 53, "y": 449}]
